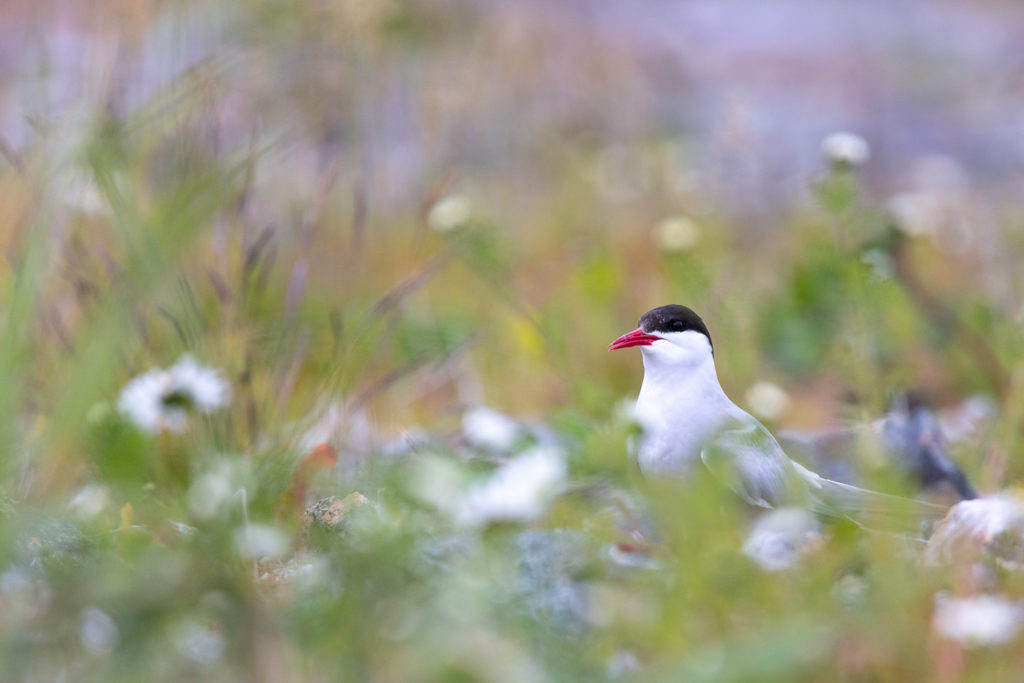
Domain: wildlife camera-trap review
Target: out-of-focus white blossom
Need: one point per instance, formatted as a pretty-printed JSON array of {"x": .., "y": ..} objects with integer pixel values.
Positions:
[
  {"x": 993, "y": 523},
  {"x": 490, "y": 430},
  {"x": 977, "y": 620},
  {"x": 449, "y": 213},
  {"x": 676, "y": 234},
  {"x": 161, "y": 399},
  {"x": 98, "y": 631},
  {"x": 781, "y": 537},
  {"x": 261, "y": 540},
  {"x": 519, "y": 490},
  {"x": 938, "y": 203},
  {"x": 198, "y": 642},
  {"x": 915, "y": 213},
  {"x": 767, "y": 400},
  {"x": 144, "y": 401},
  {"x": 90, "y": 501},
  {"x": 204, "y": 385},
  {"x": 845, "y": 149}
]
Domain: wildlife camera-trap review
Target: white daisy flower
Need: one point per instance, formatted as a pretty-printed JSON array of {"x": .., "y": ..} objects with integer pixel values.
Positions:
[
  {"x": 676, "y": 234},
  {"x": 490, "y": 430},
  {"x": 845, "y": 149},
  {"x": 449, "y": 213},
  {"x": 767, "y": 400},
  {"x": 519, "y": 490},
  {"x": 990, "y": 523},
  {"x": 161, "y": 399},
  {"x": 977, "y": 620},
  {"x": 90, "y": 501},
  {"x": 206, "y": 388}
]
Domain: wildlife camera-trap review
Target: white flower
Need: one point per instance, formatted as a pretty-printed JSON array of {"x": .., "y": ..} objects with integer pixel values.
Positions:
[
  {"x": 161, "y": 399},
  {"x": 490, "y": 430},
  {"x": 781, "y": 537},
  {"x": 767, "y": 400},
  {"x": 977, "y": 620},
  {"x": 261, "y": 540},
  {"x": 676, "y": 234},
  {"x": 204, "y": 385},
  {"x": 97, "y": 631},
  {"x": 845, "y": 149},
  {"x": 449, "y": 213},
  {"x": 915, "y": 213},
  {"x": 994, "y": 523},
  {"x": 143, "y": 401},
  {"x": 90, "y": 501},
  {"x": 519, "y": 490}
]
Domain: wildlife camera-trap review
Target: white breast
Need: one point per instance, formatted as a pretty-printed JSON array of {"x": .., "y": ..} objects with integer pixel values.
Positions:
[{"x": 679, "y": 412}]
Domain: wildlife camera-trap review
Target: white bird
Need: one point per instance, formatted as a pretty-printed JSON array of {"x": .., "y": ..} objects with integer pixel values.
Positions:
[{"x": 688, "y": 421}]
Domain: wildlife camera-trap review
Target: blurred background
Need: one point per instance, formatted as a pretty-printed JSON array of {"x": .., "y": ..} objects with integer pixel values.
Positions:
[{"x": 374, "y": 219}]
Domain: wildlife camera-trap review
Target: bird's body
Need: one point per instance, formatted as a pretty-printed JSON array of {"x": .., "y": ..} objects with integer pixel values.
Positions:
[
  {"x": 675, "y": 394},
  {"x": 672, "y": 396},
  {"x": 688, "y": 421}
]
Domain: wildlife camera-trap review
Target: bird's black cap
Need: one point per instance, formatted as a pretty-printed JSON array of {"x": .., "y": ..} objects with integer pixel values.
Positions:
[{"x": 673, "y": 318}]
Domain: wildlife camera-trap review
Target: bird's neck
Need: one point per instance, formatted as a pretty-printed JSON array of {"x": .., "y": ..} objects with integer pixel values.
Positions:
[
  {"x": 681, "y": 406},
  {"x": 695, "y": 382}
]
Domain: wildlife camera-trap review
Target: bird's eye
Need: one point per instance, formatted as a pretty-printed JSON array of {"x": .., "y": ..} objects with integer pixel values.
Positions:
[{"x": 677, "y": 325}]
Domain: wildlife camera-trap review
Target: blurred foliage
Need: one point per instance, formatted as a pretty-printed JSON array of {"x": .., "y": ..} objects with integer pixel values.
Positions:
[{"x": 228, "y": 195}]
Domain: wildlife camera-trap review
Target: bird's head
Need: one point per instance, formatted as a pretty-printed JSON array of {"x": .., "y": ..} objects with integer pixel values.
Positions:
[{"x": 670, "y": 335}]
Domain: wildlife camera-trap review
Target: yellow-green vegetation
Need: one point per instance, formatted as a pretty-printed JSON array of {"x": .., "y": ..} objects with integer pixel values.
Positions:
[{"x": 365, "y": 220}]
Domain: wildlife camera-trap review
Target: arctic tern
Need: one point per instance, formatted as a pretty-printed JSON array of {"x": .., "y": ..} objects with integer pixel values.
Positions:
[{"x": 688, "y": 421}]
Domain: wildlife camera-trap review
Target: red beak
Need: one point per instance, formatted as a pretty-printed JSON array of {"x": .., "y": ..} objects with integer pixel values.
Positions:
[{"x": 634, "y": 338}]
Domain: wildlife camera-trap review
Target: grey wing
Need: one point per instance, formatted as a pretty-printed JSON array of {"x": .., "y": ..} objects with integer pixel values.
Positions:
[{"x": 750, "y": 461}]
